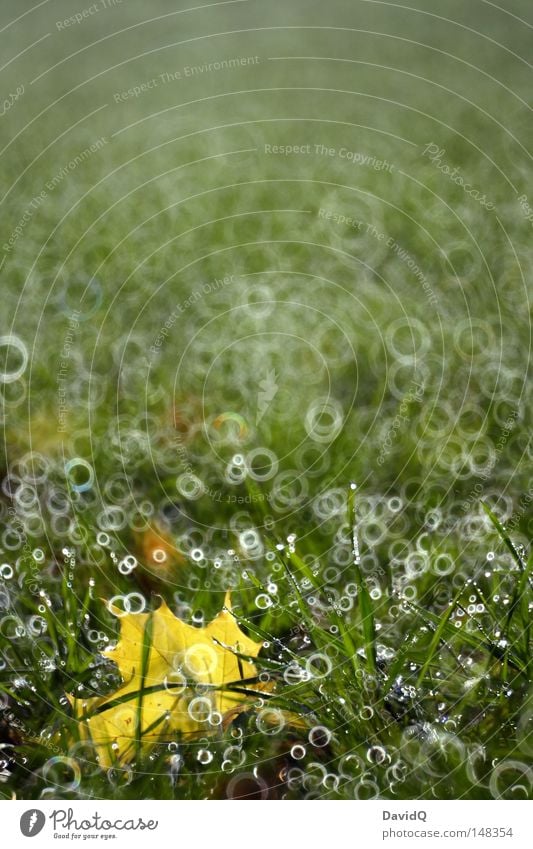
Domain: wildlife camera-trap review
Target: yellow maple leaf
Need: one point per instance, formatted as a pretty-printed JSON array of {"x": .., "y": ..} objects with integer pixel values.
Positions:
[{"x": 163, "y": 663}]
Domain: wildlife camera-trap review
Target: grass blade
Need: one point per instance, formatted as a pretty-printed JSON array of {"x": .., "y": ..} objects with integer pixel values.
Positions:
[
  {"x": 145, "y": 661},
  {"x": 366, "y": 607}
]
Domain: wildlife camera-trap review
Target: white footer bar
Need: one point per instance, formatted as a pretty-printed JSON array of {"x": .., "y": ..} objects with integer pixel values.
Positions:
[{"x": 263, "y": 825}]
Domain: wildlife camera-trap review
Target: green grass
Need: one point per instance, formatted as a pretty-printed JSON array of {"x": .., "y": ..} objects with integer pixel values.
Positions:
[
  {"x": 186, "y": 298},
  {"x": 366, "y": 721}
]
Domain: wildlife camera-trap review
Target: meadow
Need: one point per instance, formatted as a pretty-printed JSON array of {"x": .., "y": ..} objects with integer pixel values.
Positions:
[{"x": 265, "y": 330}]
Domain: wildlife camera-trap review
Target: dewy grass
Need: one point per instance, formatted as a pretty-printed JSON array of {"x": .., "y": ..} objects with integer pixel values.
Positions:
[
  {"x": 204, "y": 339},
  {"x": 363, "y": 728}
]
